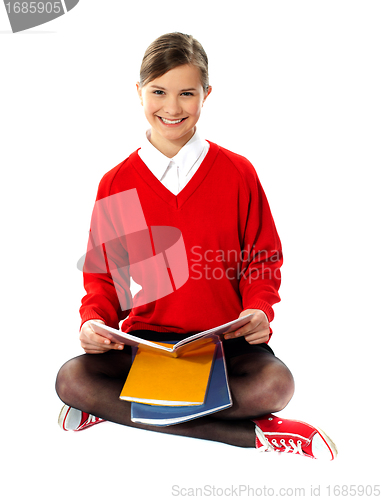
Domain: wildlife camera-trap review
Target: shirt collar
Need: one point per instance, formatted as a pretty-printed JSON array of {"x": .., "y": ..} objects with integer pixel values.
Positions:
[{"x": 158, "y": 163}]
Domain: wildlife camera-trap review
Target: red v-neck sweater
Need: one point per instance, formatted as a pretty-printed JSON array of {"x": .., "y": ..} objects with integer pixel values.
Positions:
[{"x": 233, "y": 250}]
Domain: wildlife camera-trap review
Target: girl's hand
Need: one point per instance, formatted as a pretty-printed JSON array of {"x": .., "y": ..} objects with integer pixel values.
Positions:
[
  {"x": 92, "y": 343},
  {"x": 256, "y": 331}
]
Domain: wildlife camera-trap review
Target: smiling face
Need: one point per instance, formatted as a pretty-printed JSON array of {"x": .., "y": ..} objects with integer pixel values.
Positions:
[{"x": 172, "y": 104}]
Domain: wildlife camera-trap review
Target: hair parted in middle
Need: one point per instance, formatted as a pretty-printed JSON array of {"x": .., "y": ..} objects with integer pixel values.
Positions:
[{"x": 170, "y": 51}]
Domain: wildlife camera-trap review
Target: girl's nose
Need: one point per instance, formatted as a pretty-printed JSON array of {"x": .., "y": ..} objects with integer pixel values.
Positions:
[{"x": 172, "y": 106}]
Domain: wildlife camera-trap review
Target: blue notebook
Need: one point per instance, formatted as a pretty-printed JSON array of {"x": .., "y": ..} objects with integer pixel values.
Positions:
[{"x": 218, "y": 398}]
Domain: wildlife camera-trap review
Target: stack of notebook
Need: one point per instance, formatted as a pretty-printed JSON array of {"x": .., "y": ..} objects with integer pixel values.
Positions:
[
  {"x": 172, "y": 383},
  {"x": 198, "y": 395}
]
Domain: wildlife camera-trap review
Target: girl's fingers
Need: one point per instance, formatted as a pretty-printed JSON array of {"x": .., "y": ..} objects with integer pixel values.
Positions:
[
  {"x": 88, "y": 345},
  {"x": 247, "y": 330},
  {"x": 258, "y": 337},
  {"x": 93, "y": 343}
]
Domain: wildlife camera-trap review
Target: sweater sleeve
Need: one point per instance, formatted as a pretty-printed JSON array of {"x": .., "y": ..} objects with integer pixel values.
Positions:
[
  {"x": 262, "y": 257},
  {"x": 103, "y": 251}
]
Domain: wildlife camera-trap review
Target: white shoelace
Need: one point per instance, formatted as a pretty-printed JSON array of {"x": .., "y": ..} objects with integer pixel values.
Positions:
[
  {"x": 296, "y": 447},
  {"x": 267, "y": 446}
]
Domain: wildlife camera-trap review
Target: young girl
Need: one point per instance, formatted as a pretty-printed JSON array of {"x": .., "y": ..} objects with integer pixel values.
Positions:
[{"x": 215, "y": 201}]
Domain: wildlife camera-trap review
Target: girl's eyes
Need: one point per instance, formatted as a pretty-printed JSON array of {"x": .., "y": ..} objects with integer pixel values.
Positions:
[{"x": 160, "y": 92}]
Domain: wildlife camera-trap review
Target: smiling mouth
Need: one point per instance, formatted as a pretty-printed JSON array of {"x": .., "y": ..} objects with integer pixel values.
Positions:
[{"x": 171, "y": 122}]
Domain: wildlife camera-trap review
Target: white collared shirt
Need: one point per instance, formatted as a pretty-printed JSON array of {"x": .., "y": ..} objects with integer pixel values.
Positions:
[{"x": 174, "y": 173}]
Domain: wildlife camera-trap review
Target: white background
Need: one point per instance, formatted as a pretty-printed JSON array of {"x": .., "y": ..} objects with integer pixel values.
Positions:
[{"x": 297, "y": 90}]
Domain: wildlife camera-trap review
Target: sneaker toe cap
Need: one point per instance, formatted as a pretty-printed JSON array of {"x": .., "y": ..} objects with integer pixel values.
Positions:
[
  {"x": 73, "y": 419},
  {"x": 320, "y": 448}
]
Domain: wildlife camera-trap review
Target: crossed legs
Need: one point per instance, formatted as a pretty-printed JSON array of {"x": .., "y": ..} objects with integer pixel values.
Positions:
[{"x": 259, "y": 382}]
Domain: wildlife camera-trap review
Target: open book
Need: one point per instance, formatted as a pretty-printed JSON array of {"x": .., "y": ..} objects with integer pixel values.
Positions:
[{"x": 193, "y": 342}]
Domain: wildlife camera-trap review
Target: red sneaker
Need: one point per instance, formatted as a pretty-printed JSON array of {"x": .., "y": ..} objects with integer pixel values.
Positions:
[
  {"x": 71, "y": 419},
  {"x": 291, "y": 436}
]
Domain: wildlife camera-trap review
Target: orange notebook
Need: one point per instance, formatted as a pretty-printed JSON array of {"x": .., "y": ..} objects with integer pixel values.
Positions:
[{"x": 158, "y": 379}]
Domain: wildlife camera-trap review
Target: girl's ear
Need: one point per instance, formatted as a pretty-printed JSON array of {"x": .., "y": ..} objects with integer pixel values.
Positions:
[
  {"x": 139, "y": 90},
  {"x": 208, "y": 93}
]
